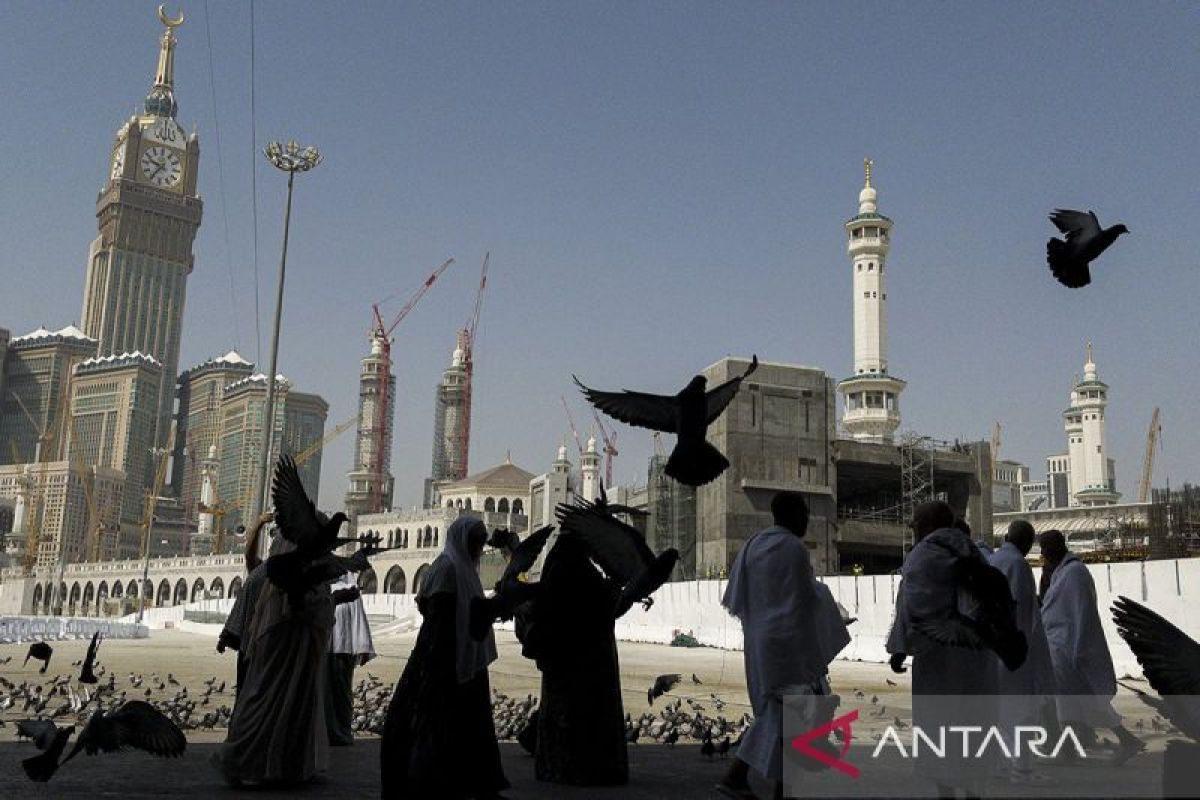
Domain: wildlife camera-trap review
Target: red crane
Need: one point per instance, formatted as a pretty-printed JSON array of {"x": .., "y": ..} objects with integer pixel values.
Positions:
[
  {"x": 610, "y": 447},
  {"x": 466, "y": 341},
  {"x": 383, "y": 412},
  {"x": 571, "y": 420}
]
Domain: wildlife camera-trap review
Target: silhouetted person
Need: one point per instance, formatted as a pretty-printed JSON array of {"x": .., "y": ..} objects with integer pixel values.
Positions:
[
  {"x": 242, "y": 612},
  {"x": 792, "y": 631},
  {"x": 350, "y": 646}
]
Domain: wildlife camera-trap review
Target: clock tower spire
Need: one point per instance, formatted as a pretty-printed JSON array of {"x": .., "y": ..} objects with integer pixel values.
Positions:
[{"x": 148, "y": 212}]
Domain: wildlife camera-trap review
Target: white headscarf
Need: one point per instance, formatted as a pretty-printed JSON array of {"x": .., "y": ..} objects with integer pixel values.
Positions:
[{"x": 454, "y": 571}]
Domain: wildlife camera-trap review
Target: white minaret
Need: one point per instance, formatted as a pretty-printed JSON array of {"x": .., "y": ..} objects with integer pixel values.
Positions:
[
  {"x": 202, "y": 542},
  {"x": 870, "y": 397},
  {"x": 1091, "y": 481},
  {"x": 590, "y": 470}
]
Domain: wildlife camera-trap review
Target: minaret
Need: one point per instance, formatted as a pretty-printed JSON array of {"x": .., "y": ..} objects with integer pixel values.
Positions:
[
  {"x": 1091, "y": 482},
  {"x": 590, "y": 470},
  {"x": 369, "y": 486},
  {"x": 449, "y": 425},
  {"x": 202, "y": 542},
  {"x": 870, "y": 397}
]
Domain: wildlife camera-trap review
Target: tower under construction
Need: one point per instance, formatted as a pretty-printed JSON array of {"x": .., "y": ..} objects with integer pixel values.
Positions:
[
  {"x": 450, "y": 425},
  {"x": 371, "y": 477}
]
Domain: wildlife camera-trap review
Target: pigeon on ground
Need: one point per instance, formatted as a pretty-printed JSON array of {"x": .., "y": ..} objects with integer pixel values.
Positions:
[
  {"x": 1085, "y": 241},
  {"x": 42, "y": 652},
  {"x": 688, "y": 414},
  {"x": 696, "y": 680},
  {"x": 620, "y": 550},
  {"x": 662, "y": 685},
  {"x": 86, "y": 675}
]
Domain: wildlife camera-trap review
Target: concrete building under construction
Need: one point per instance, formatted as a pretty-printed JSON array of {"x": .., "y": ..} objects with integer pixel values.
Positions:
[
  {"x": 370, "y": 477},
  {"x": 450, "y": 426}
]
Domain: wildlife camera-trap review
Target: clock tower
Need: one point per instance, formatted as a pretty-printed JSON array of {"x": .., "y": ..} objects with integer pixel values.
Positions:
[{"x": 148, "y": 213}]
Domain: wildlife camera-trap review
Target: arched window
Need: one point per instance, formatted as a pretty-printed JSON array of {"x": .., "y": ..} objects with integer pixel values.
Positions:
[
  {"x": 502, "y": 506},
  {"x": 450, "y": 504},
  {"x": 419, "y": 577},
  {"x": 132, "y": 591},
  {"x": 467, "y": 505},
  {"x": 395, "y": 582},
  {"x": 89, "y": 594},
  {"x": 489, "y": 505},
  {"x": 118, "y": 591},
  {"x": 37, "y": 597},
  {"x": 73, "y": 603},
  {"x": 181, "y": 593},
  {"x": 458, "y": 503},
  {"x": 163, "y": 597},
  {"x": 435, "y": 537},
  {"x": 518, "y": 507},
  {"x": 235, "y": 587},
  {"x": 198, "y": 590},
  {"x": 217, "y": 587},
  {"x": 367, "y": 582}
]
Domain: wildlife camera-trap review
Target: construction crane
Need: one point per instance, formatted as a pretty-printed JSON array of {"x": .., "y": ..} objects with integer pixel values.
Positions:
[
  {"x": 466, "y": 342},
  {"x": 571, "y": 421},
  {"x": 610, "y": 447},
  {"x": 317, "y": 446},
  {"x": 1153, "y": 441},
  {"x": 382, "y": 333},
  {"x": 43, "y": 457}
]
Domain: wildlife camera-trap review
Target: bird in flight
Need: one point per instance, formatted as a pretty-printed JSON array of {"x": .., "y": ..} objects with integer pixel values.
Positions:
[
  {"x": 86, "y": 673},
  {"x": 688, "y": 414},
  {"x": 42, "y": 652},
  {"x": 662, "y": 685},
  {"x": 1085, "y": 241}
]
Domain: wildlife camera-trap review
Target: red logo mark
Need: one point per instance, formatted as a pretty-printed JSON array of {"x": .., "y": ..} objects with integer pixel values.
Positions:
[{"x": 802, "y": 743}]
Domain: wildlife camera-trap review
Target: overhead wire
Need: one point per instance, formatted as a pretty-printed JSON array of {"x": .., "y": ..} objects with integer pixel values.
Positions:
[
  {"x": 254, "y": 191},
  {"x": 221, "y": 192}
]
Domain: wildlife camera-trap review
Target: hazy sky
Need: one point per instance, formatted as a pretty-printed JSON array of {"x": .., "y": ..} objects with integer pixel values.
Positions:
[{"x": 659, "y": 184}]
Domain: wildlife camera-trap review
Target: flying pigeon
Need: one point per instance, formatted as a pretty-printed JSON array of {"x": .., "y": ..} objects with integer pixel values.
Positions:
[
  {"x": 620, "y": 550},
  {"x": 1085, "y": 241},
  {"x": 298, "y": 519},
  {"x": 43, "y": 765},
  {"x": 1170, "y": 659},
  {"x": 86, "y": 675},
  {"x": 993, "y": 627},
  {"x": 662, "y": 685},
  {"x": 694, "y": 461},
  {"x": 511, "y": 590},
  {"x": 42, "y": 652}
]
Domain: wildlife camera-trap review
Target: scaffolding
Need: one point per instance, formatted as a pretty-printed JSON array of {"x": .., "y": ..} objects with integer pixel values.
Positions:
[
  {"x": 916, "y": 479},
  {"x": 673, "y": 517}
]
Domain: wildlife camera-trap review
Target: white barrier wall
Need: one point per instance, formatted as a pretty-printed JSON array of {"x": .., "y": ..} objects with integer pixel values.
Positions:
[
  {"x": 30, "y": 629},
  {"x": 1170, "y": 588}
]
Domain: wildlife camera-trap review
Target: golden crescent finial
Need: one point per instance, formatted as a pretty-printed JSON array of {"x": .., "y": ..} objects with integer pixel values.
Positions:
[
  {"x": 165, "y": 20},
  {"x": 867, "y": 164}
]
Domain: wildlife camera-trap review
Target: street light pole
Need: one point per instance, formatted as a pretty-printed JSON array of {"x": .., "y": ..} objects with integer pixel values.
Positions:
[{"x": 289, "y": 158}]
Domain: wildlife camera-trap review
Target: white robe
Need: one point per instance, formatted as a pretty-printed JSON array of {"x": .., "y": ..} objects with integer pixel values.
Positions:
[
  {"x": 351, "y": 631},
  {"x": 791, "y": 631},
  {"x": 1083, "y": 667}
]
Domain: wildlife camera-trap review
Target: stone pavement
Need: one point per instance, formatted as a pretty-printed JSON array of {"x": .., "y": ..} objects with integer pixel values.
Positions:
[{"x": 657, "y": 772}]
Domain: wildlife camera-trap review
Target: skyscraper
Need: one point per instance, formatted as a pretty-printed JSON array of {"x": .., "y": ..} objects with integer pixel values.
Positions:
[
  {"x": 37, "y": 377},
  {"x": 148, "y": 213}
]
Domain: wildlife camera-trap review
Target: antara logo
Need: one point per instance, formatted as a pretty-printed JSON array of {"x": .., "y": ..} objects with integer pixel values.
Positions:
[{"x": 802, "y": 743}]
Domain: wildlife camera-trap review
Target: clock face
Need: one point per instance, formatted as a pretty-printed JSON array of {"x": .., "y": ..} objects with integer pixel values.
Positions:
[
  {"x": 118, "y": 165},
  {"x": 161, "y": 166}
]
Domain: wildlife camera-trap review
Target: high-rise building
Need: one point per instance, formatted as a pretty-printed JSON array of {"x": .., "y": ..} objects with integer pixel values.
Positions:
[
  {"x": 5, "y": 336},
  {"x": 114, "y": 411},
  {"x": 243, "y": 410},
  {"x": 148, "y": 213},
  {"x": 297, "y": 431},
  {"x": 37, "y": 378},
  {"x": 371, "y": 476},
  {"x": 871, "y": 396},
  {"x": 198, "y": 420},
  {"x": 61, "y": 514},
  {"x": 304, "y": 418}
]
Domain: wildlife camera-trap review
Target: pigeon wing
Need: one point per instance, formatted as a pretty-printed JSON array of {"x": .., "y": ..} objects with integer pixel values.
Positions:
[
  {"x": 619, "y": 549},
  {"x": 954, "y": 631},
  {"x": 295, "y": 514},
  {"x": 1170, "y": 658},
  {"x": 723, "y": 395},
  {"x": 526, "y": 554},
  {"x": 136, "y": 725},
  {"x": 40, "y": 730},
  {"x": 654, "y": 411},
  {"x": 1076, "y": 225}
]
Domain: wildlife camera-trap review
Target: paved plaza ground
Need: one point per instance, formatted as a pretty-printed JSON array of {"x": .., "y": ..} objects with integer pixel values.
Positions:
[{"x": 657, "y": 771}]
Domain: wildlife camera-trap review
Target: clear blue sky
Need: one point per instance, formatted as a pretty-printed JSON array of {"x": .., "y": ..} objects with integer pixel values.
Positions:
[{"x": 659, "y": 184}]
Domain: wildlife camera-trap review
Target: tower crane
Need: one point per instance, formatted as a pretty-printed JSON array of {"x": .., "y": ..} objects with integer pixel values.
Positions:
[
  {"x": 382, "y": 333},
  {"x": 610, "y": 447},
  {"x": 571, "y": 421},
  {"x": 466, "y": 342},
  {"x": 1153, "y": 441}
]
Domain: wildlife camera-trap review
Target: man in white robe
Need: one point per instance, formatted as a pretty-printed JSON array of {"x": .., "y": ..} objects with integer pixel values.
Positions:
[
  {"x": 1083, "y": 666},
  {"x": 1026, "y": 687},
  {"x": 791, "y": 632},
  {"x": 350, "y": 646},
  {"x": 928, "y": 592}
]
